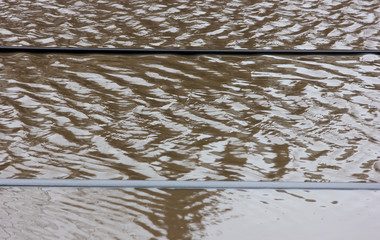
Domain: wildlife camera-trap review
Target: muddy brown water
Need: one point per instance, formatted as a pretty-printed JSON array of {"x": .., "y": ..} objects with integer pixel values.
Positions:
[{"x": 206, "y": 117}]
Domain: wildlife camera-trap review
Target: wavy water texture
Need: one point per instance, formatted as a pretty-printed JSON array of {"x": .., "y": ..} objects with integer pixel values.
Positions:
[
  {"x": 313, "y": 24},
  {"x": 259, "y": 118},
  {"x": 190, "y": 118},
  {"x": 186, "y": 214},
  {"x": 110, "y": 214}
]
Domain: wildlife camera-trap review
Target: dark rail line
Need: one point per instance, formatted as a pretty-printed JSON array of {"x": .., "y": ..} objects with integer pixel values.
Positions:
[
  {"x": 47, "y": 50},
  {"x": 164, "y": 184}
]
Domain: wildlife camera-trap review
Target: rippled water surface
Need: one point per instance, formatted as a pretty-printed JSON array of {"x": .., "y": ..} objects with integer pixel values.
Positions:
[
  {"x": 206, "y": 117},
  {"x": 187, "y": 214}
]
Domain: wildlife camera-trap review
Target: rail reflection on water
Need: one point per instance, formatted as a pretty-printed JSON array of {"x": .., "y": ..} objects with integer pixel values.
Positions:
[
  {"x": 148, "y": 184},
  {"x": 146, "y": 51}
]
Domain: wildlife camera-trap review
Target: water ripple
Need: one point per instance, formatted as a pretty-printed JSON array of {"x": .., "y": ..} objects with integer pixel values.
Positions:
[
  {"x": 277, "y": 118},
  {"x": 272, "y": 118},
  {"x": 207, "y": 24}
]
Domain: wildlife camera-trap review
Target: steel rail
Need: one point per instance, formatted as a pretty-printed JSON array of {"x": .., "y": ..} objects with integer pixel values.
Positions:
[
  {"x": 166, "y": 184},
  {"x": 58, "y": 50}
]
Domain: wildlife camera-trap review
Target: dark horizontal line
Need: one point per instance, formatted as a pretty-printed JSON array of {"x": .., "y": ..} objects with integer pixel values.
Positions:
[
  {"x": 46, "y": 50},
  {"x": 163, "y": 184}
]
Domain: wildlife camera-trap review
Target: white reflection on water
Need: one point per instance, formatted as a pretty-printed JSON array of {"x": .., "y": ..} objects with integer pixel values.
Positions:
[
  {"x": 187, "y": 214},
  {"x": 299, "y": 215}
]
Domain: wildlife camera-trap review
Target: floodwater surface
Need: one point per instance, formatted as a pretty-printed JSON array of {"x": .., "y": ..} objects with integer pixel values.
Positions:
[{"x": 205, "y": 117}]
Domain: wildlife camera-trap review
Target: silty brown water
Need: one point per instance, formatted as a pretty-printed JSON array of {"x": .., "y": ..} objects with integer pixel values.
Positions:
[{"x": 272, "y": 118}]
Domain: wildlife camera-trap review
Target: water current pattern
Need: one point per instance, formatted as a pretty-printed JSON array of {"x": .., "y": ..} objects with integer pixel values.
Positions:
[{"x": 168, "y": 117}]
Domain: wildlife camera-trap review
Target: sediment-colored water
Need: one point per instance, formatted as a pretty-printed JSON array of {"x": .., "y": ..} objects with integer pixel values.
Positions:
[{"x": 206, "y": 117}]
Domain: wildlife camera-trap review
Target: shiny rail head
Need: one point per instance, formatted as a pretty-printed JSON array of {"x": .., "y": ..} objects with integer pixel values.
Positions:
[
  {"x": 57, "y": 50},
  {"x": 163, "y": 184}
]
